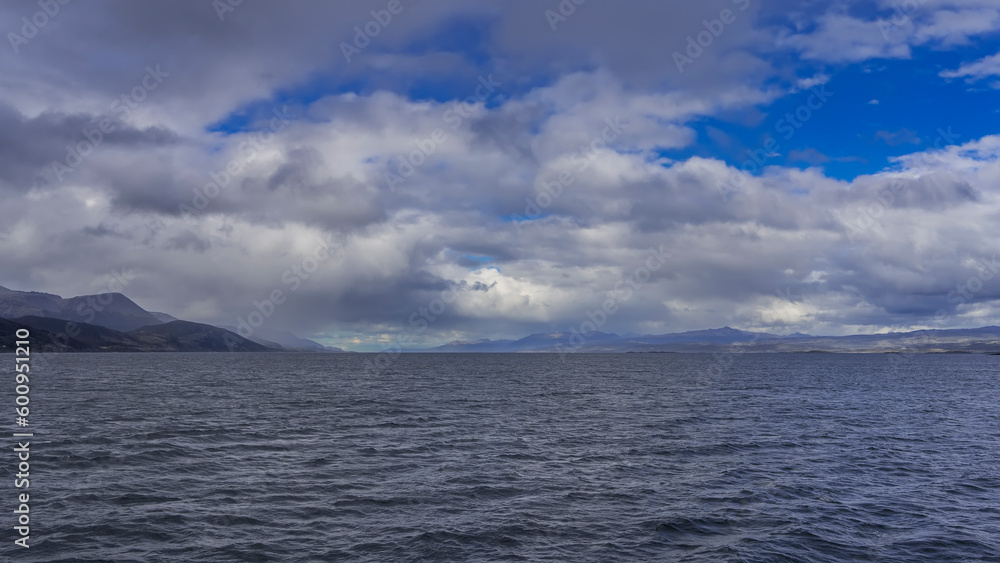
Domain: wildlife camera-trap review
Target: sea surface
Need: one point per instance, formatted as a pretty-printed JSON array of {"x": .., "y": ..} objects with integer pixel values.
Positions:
[{"x": 528, "y": 457}]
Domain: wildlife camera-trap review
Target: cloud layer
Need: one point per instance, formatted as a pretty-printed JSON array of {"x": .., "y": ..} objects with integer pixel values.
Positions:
[{"x": 479, "y": 173}]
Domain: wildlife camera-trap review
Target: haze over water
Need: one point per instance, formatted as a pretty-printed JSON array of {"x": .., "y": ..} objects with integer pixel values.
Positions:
[{"x": 301, "y": 457}]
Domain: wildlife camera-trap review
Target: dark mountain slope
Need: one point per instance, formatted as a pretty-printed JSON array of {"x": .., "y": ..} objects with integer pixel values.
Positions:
[
  {"x": 57, "y": 335},
  {"x": 184, "y": 336},
  {"x": 111, "y": 310}
]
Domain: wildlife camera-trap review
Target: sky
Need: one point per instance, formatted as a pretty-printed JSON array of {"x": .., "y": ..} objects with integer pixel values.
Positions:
[{"x": 424, "y": 171}]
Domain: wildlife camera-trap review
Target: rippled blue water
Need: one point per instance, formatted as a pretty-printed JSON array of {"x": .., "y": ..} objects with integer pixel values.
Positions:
[{"x": 279, "y": 457}]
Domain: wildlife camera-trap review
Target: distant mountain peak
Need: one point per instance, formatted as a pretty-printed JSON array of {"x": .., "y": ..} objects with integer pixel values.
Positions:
[{"x": 723, "y": 330}]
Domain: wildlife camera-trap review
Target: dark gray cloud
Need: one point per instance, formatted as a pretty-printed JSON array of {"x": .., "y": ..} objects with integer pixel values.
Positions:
[
  {"x": 188, "y": 242},
  {"x": 31, "y": 147}
]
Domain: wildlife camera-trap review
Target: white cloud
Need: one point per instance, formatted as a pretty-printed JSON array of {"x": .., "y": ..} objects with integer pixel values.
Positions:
[
  {"x": 983, "y": 68},
  {"x": 842, "y": 38},
  {"x": 836, "y": 36}
]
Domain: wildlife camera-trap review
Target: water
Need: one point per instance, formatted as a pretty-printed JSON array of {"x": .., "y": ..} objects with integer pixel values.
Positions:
[{"x": 281, "y": 457}]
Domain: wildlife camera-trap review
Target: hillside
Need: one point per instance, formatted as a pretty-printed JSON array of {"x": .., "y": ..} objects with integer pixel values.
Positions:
[
  {"x": 56, "y": 335},
  {"x": 111, "y": 322},
  {"x": 111, "y": 310},
  {"x": 184, "y": 336}
]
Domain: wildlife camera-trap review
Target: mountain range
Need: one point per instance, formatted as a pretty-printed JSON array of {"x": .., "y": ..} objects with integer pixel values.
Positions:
[
  {"x": 984, "y": 340},
  {"x": 111, "y": 322}
]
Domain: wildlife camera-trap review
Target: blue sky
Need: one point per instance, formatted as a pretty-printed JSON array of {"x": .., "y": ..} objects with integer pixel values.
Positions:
[
  {"x": 586, "y": 149},
  {"x": 877, "y": 110}
]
